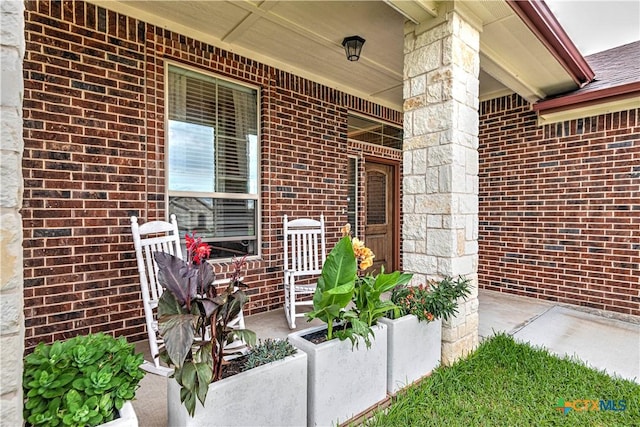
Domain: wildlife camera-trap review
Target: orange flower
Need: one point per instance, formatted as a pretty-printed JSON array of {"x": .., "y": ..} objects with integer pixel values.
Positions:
[
  {"x": 362, "y": 253},
  {"x": 346, "y": 230},
  {"x": 358, "y": 245},
  {"x": 366, "y": 263}
]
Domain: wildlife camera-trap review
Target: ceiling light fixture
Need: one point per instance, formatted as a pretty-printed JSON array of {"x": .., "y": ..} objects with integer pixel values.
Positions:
[{"x": 353, "y": 47}]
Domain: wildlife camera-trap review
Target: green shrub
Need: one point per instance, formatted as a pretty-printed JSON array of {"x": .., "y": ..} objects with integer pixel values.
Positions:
[
  {"x": 433, "y": 301},
  {"x": 82, "y": 381},
  {"x": 268, "y": 351}
]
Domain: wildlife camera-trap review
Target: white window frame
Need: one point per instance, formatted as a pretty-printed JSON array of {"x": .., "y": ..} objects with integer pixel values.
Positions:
[{"x": 216, "y": 195}]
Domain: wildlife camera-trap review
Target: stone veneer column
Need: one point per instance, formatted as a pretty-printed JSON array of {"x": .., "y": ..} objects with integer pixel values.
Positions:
[
  {"x": 440, "y": 177},
  {"x": 12, "y": 46}
]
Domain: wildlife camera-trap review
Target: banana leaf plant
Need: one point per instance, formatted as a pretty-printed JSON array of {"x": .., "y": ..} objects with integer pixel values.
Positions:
[
  {"x": 194, "y": 319},
  {"x": 336, "y": 285},
  {"x": 369, "y": 291},
  {"x": 340, "y": 284}
]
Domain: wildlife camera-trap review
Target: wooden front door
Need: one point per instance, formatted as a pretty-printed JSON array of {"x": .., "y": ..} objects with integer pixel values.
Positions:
[{"x": 381, "y": 217}]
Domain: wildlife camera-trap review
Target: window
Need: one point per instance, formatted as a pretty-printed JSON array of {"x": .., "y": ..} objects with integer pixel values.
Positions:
[
  {"x": 213, "y": 157},
  {"x": 374, "y": 132}
]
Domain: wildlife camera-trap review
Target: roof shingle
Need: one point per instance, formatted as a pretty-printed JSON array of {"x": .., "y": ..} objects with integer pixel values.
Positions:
[{"x": 614, "y": 67}]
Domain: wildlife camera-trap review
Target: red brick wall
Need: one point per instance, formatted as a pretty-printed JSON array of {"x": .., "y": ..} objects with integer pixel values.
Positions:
[
  {"x": 94, "y": 156},
  {"x": 560, "y": 206}
]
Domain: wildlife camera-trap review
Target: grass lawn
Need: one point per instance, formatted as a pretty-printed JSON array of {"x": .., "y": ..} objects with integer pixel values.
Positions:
[{"x": 505, "y": 383}]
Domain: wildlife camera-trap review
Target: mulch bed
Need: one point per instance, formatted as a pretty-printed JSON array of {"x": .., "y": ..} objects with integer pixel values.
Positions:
[
  {"x": 320, "y": 336},
  {"x": 233, "y": 366}
]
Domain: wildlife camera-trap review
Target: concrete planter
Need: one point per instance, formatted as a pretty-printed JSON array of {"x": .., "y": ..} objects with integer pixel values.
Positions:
[
  {"x": 342, "y": 382},
  {"x": 413, "y": 350},
  {"x": 127, "y": 417},
  {"x": 274, "y": 394}
]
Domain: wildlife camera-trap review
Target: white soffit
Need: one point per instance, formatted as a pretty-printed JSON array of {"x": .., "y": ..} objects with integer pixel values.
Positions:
[
  {"x": 511, "y": 54},
  {"x": 304, "y": 38}
]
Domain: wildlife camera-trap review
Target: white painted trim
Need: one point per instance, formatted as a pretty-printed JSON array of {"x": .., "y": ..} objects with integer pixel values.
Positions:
[
  {"x": 588, "y": 111},
  {"x": 248, "y": 196}
]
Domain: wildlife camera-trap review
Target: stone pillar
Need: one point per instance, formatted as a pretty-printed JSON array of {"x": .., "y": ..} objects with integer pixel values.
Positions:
[
  {"x": 440, "y": 169},
  {"x": 12, "y": 46}
]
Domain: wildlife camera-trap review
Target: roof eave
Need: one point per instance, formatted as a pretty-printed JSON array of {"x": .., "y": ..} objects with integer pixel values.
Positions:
[
  {"x": 541, "y": 21},
  {"x": 588, "y": 104},
  {"x": 586, "y": 98}
]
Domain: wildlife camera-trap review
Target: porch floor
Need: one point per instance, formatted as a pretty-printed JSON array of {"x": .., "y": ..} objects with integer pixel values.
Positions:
[{"x": 605, "y": 343}]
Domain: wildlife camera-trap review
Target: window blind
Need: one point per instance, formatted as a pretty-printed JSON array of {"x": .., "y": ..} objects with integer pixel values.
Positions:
[{"x": 213, "y": 158}]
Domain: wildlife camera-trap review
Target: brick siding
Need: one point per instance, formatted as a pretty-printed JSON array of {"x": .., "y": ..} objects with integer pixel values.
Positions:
[
  {"x": 560, "y": 206},
  {"x": 94, "y": 156}
]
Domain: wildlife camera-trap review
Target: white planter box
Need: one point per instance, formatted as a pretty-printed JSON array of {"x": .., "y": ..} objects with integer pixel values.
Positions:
[
  {"x": 274, "y": 394},
  {"x": 127, "y": 417},
  {"x": 413, "y": 351},
  {"x": 343, "y": 382}
]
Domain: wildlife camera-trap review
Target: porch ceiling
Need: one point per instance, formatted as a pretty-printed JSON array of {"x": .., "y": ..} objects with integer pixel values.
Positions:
[{"x": 304, "y": 37}]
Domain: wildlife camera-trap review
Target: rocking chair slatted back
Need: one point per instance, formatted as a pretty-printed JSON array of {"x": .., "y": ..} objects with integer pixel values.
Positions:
[
  {"x": 304, "y": 255},
  {"x": 161, "y": 236},
  {"x": 153, "y": 236}
]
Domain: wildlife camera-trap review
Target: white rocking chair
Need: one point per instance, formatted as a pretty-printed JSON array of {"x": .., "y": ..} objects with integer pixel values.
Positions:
[
  {"x": 304, "y": 255},
  {"x": 161, "y": 236},
  {"x": 153, "y": 236}
]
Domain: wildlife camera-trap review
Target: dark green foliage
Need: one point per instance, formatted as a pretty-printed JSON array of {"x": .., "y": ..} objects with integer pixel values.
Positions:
[
  {"x": 81, "y": 381},
  {"x": 268, "y": 351},
  {"x": 433, "y": 301}
]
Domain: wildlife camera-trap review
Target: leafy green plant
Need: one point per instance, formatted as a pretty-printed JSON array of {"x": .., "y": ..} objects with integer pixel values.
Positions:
[
  {"x": 339, "y": 285},
  {"x": 268, "y": 351},
  {"x": 82, "y": 381},
  {"x": 433, "y": 301},
  {"x": 368, "y": 294},
  {"x": 194, "y": 318},
  {"x": 336, "y": 285},
  {"x": 368, "y": 305}
]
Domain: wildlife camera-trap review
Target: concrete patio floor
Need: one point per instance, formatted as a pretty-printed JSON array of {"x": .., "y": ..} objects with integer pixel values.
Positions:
[{"x": 605, "y": 343}]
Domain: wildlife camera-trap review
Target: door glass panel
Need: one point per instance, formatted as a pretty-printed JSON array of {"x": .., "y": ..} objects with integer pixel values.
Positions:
[{"x": 376, "y": 198}]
